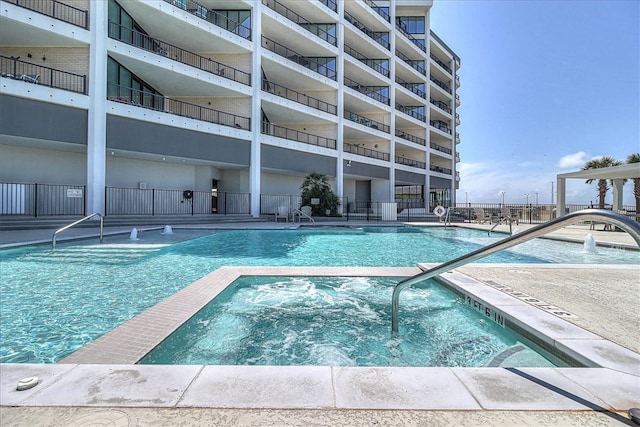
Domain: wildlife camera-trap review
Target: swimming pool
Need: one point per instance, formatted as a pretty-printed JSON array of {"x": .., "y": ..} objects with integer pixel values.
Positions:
[
  {"x": 54, "y": 302},
  {"x": 341, "y": 321}
]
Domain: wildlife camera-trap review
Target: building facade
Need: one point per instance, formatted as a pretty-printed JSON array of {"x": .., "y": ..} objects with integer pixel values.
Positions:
[{"x": 111, "y": 99}]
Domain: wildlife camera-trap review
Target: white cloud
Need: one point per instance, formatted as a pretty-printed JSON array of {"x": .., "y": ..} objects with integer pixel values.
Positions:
[{"x": 575, "y": 160}]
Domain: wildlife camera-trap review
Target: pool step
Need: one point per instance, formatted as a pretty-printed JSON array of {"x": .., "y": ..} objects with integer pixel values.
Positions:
[{"x": 103, "y": 254}]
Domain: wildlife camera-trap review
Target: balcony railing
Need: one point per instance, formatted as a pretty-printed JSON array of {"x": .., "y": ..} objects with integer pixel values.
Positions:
[
  {"x": 412, "y": 138},
  {"x": 379, "y": 10},
  {"x": 440, "y": 63},
  {"x": 440, "y": 84},
  {"x": 410, "y": 162},
  {"x": 439, "y": 124},
  {"x": 210, "y": 15},
  {"x": 441, "y": 105},
  {"x": 410, "y": 111},
  {"x": 366, "y": 90},
  {"x": 372, "y": 34},
  {"x": 356, "y": 118},
  {"x": 298, "y": 97},
  {"x": 440, "y": 169},
  {"x": 310, "y": 63},
  {"x": 457, "y": 138},
  {"x": 142, "y": 99},
  {"x": 412, "y": 63},
  {"x": 296, "y": 135},
  {"x": 403, "y": 29},
  {"x": 366, "y": 152},
  {"x": 457, "y": 119},
  {"x": 55, "y": 9},
  {"x": 440, "y": 148},
  {"x": 330, "y": 4},
  {"x": 13, "y": 68},
  {"x": 302, "y": 22},
  {"x": 371, "y": 63},
  {"x": 413, "y": 87},
  {"x": 143, "y": 41}
]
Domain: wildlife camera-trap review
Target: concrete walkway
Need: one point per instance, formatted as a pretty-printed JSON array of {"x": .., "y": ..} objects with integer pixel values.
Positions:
[{"x": 603, "y": 301}]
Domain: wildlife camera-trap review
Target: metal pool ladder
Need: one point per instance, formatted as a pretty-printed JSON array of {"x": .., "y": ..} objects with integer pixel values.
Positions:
[
  {"x": 627, "y": 224},
  {"x": 66, "y": 227}
]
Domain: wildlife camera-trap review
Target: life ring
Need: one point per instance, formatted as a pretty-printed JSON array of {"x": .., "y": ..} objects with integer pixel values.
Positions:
[
  {"x": 439, "y": 211},
  {"x": 187, "y": 194}
]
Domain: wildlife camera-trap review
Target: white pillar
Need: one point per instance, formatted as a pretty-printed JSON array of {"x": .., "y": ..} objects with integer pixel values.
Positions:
[
  {"x": 561, "y": 189},
  {"x": 256, "y": 112},
  {"x": 97, "y": 117},
  {"x": 617, "y": 194},
  {"x": 340, "y": 106}
]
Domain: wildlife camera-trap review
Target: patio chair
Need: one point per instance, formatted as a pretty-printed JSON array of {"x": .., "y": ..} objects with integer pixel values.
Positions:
[
  {"x": 505, "y": 215},
  {"x": 282, "y": 212},
  {"x": 481, "y": 216}
]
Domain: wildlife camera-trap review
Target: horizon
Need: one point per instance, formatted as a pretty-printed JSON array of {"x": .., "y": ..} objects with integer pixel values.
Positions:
[{"x": 545, "y": 87}]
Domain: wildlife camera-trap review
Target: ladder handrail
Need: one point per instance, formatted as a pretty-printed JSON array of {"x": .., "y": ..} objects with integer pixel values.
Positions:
[
  {"x": 500, "y": 221},
  {"x": 66, "y": 227},
  {"x": 627, "y": 224},
  {"x": 302, "y": 214}
]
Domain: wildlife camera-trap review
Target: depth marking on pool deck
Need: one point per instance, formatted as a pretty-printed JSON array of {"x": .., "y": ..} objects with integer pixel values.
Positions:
[{"x": 557, "y": 311}]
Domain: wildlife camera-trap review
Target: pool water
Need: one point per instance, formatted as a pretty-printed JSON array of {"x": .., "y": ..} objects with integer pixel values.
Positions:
[
  {"x": 55, "y": 302},
  {"x": 343, "y": 321}
]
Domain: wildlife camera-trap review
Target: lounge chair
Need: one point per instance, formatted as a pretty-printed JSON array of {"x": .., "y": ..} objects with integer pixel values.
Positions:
[
  {"x": 481, "y": 216},
  {"x": 505, "y": 216},
  {"x": 282, "y": 212}
]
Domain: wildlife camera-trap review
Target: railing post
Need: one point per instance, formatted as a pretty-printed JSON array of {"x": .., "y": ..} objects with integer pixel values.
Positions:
[
  {"x": 84, "y": 201},
  {"x": 35, "y": 201},
  {"x": 153, "y": 202}
]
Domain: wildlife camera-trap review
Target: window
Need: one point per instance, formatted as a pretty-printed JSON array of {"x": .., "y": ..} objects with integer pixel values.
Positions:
[
  {"x": 412, "y": 24},
  {"x": 124, "y": 86}
]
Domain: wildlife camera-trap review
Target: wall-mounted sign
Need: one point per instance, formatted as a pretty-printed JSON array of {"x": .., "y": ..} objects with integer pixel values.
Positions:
[
  {"x": 315, "y": 201},
  {"x": 74, "y": 192}
]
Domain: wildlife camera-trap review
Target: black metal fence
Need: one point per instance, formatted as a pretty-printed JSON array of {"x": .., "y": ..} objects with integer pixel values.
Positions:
[
  {"x": 57, "y": 10},
  {"x": 42, "y": 199}
]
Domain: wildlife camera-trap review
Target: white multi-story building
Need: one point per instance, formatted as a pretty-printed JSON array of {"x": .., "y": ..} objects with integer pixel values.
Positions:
[{"x": 124, "y": 103}]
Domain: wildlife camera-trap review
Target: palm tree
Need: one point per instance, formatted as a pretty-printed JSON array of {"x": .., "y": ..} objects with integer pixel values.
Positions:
[
  {"x": 635, "y": 158},
  {"x": 316, "y": 186},
  {"x": 603, "y": 186}
]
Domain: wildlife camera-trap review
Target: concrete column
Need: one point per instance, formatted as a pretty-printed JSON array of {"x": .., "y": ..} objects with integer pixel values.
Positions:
[
  {"x": 256, "y": 112},
  {"x": 340, "y": 104},
  {"x": 392, "y": 102},
  {"x": 617, "y": 194},
  {"x": 97, "y": 117},
  {"x": 561, "y": 196}
]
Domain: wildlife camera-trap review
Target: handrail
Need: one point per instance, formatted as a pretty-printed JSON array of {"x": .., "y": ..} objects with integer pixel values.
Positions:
[
  {"x": 627, "y": 224},
  {"x": 500, "y": 221},
  {"x": 302, "y": 214},
  {"x": 66, "y": 227}
]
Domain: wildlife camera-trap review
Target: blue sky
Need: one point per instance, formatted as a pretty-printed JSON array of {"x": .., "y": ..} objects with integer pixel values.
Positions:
[{"x": 546, "y": 86}]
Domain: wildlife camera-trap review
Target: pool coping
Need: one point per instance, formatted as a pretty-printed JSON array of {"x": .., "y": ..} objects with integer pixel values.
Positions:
[{"x": 103, "y": 374}]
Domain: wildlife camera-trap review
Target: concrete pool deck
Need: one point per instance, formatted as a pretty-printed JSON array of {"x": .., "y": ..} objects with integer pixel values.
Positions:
[{"x": 602, "y": 299}]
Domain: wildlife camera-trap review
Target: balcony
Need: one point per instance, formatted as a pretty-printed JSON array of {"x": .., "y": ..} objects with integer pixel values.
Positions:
[
  {"x": 416, "y": 64},
  {"x": 439, "y": 124},
  {"x": 296, "y": 135},
  {"x": 145, "y": 42},
  {"x": 441, "y": 84},
  {"x": 457, "y": 138},
  {"x": 440, "y": 104},
  {"x": 311, "y": 63},
  {"x": 366, "y": 152},
  {"x": 371, "y": 63},
  {"x": 440, "y": 63},
  {"x": 457, "y": 119},
  {"x": 57, "y": 10},
  {"x": 377, "y": 37},
  {"x": 380, "y": 11},
  {"x": 457, "y": 100},
  {"x": 440, "y": 148},
  {"x": 457, "y": 157},
  {"x": 302, "y": 22},
  {"x": 13, "y": 68},
  {"x": 210, "y": 15},
  {"x": 413, "y": 87},
  {"x": 417, "y": 42},
  {"x": 410, "y": 162},
  {"x": 330, "y": 4},
  {"x": 411, "y": 111},
  {"x": 412, "y": 138},
  {"x": 298, "y": 97},
  {"x": 440, "y": 169},
  {"x": 365, "y": 121},
  {"x": 157, "y": 102},
  {"x": 366, "y": 90}
]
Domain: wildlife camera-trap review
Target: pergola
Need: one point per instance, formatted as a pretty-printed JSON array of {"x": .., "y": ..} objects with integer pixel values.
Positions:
[{"x": 615, "y": 173}]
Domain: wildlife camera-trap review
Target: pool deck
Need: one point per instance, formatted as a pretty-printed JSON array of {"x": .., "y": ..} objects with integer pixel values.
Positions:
[{"x": 601, "y": 320}]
